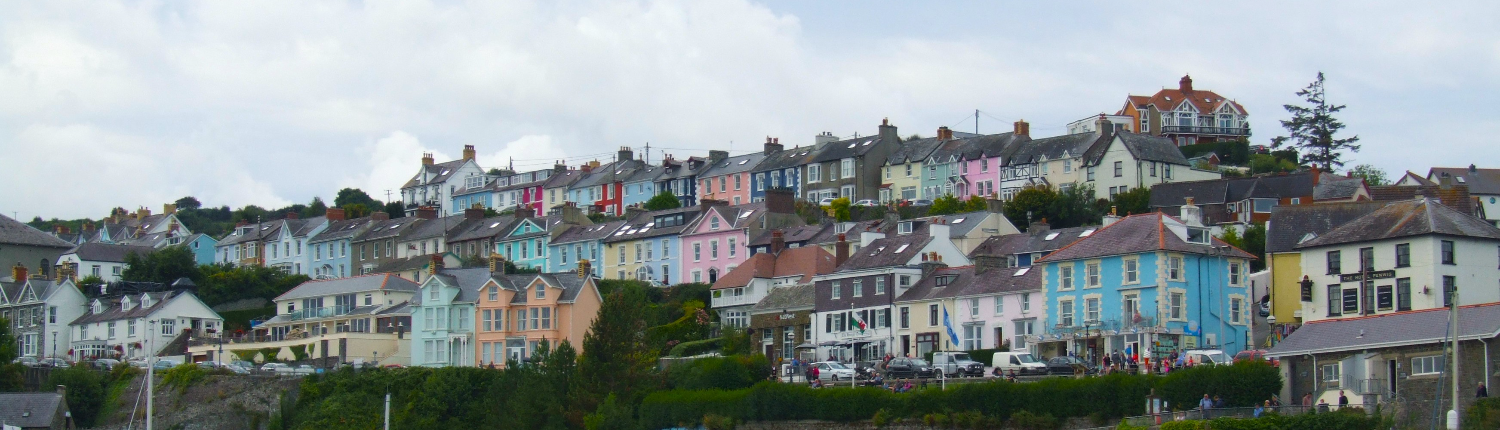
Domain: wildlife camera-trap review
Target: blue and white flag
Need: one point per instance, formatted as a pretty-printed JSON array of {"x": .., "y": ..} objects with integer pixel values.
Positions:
[{"x": 949, "y": 324}]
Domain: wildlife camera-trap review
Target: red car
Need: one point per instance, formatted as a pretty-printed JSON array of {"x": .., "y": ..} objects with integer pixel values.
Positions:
[{"x": 1253, "y": 355}]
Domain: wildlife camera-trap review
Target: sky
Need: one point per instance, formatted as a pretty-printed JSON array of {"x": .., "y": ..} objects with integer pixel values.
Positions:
[{"x": 138, "y": 103}]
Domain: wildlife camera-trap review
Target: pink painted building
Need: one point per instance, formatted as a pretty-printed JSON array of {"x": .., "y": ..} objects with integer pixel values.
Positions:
[
  {"x": 982, "y": 157},
  {"x": 729, "y": 179},
  {"x": 716, "y": 242}
]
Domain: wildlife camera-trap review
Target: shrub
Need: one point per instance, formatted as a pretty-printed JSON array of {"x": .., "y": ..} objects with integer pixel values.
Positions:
[
  {"x": 1483, "y": 414},
  {"x": 1182, "y": 425},
  {"x": 299, "y": 352},
  {"x": 724, "y": 373},
  {"x": 268, "y": 355},
  {"x": 1124, "y": 425},
  {"x": 1024, "y": 420},
  {"x": 689, "y": 349},
  {"x": 85, "y": 392},
  {"x": 1243, "y": 384},
  {"x": 717, "y": 422},
  {"x": 183, "y": 376}
]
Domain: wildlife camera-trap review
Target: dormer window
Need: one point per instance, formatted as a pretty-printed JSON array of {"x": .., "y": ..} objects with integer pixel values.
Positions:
[
  {"x": 944, "y": 280},
  {"x": 98, "y": 308},
  {"x": 145, "y": 300},
  {"x": 904, "y": 227},
  {"x": 1198, "y": 235}
]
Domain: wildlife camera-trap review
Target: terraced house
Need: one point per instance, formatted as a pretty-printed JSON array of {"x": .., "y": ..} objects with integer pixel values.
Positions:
[
  {"x": 38, "y": 311},
  {"x": 288, "y": 249},
  {"x": 579, "y": 244},
  {"x": 434, "y": 184},
  {"x": 517, "y": 313},
  {"x": 330, "y": 247},
  {"x": 336, "y": 320},
  {"x": 783, "y": 168},
  {"x": 729, "y": 179},
  {"x": 716, "y": 241},
  {"x": 507, "y": 190},
  {"x": 849, "y": 168},
  {"x": 1143, "y": 281},
  {"x": 1004, "y": 305},
  {"x": 902, "y": 173},
  {"x": 648, "y": 247},
  {"x": 442, "y": 316},
  {"x": 602, "y": 189},
  {"x": 525, "y": 244}
]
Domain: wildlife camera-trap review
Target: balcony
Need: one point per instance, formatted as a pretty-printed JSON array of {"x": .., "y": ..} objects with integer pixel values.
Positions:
[
  {"x": 732, "y": 300},
  {"x": 325, "y": 312},
  {"x": 1220, "y": 131}
]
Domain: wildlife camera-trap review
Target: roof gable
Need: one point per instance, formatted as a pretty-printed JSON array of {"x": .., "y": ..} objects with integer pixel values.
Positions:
[{"x": 1408, "y": 218}]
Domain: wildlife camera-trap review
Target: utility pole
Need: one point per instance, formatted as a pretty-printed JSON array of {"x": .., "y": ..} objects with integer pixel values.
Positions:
[
  {"x": 387, "y": 408},
  {"x": 648, "y": 152},
  {"x": 150, "y": 369},
  {"x": 976, "y": 121},
  {"x": 1453, "y": 328}
]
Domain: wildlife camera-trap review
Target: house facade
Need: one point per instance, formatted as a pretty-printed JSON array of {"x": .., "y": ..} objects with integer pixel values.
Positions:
[
  {"x": 902, "y": 173},
  {"x": 288, "y": 249},
  {"x": 717, "y": 241},
  {"x": 38, "y": 311},
  {"x": 330, "y": 247},
  {"x": 1403, "y": 256},
  {"x": 435, "y": 183},
  {"x": 849, "y": 168},
  {"x": 141, "y": 324},
  {"x": 744, "y": 287},
  {"x": 1484, "y": 185},
  {"x": 336, "y": 320},
  {"x": 1186, "y": 115},
  {"x": 104, "y": 260},
  {"x": 580, "y": 244},
  {"x": 729, "y": 179},
  {"x": 442, "y": 317},
  {"x": 782, "y": 168},
  {"x": 518, "y": 313},
  {"x": 648, "y": 246},
  {"x": 1287, "y": 227},
  {"x": 377, "y": 245},
  {"x": 34, "y": 249}
]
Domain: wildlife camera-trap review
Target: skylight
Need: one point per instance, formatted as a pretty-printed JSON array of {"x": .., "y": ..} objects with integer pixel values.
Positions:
[
  {"x": 868, "y": 142},
  {"x": 902, "y": 248},
  {"x": 1022, "y": 271},
  {"x": 959, "y": 221},
  {"x": 853, "y": 144},
  {"x": 445, "y": 171},
  {"x": 1460, "y": 179},
  {"x": 650, "y": 224},
  {"x": 1052, "y": 236},
  {"x": 621, "y": 233},
  {"x": 1086, "y": 233},
  {"x": 746, "y": 214},
  {"x": 394, "y": 226},
  {"x": 497, "y": 224},
  {"x": 877, "y": 251}
]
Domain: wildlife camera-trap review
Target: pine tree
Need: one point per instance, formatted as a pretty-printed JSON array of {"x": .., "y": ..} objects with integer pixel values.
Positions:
[
  {"x": 616, "y": 358},
  {"x": 1313, "y": 127}
]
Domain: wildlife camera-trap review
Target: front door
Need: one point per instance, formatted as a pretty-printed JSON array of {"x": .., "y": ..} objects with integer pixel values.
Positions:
[{"x": 1390, "y": 375}]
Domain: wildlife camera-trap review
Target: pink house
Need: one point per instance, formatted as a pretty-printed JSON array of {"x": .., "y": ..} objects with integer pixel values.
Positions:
[
  {"x": 984, "y": 155},
  {"x": 717, "y": 241},
  {"x": 729, "y": 179}
]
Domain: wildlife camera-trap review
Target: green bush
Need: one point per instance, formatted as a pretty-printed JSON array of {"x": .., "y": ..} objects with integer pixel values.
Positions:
[
  {"x": 85, "y": 392},
  {"x": 268, "y": 355},
  {"x": 123, "y": 372},
  {"x": 1343, "y": 419},
  {"x": 689, "y": 349},
  {"x": 1243, "y": 384},
  {"x": 299, "y": 352},
  {"x": 1126, "y": 426},
  {"x": 1024, "y": 420},
  {"x": 183, "y": 376},
  {"x": 717, "y": 422},
  {"x": 1182, "y": 425},
  {"x": 1483, "y": 414},
  {"x": 724, "y": 373}
]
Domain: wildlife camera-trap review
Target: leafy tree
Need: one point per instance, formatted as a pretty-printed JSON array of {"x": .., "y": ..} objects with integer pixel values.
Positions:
[
  {"x": 222, "y": 283},
  {"x": 1030, "y": 204},
  {"x": 350, "y": 196},
  {"x": 914, "y": 136},
  {"x": 662, "y": 201},
  {"x": 163, "y": 265},
  {"x": 946, "y": 204},
  {"x": 495, "y": 172},
  {"x": 616, "y": 358},
  {"x": 89, "y": 281},
  {"x": 1255, "y": 243},
  {"x": 395, "y": 210},
  {"x": 840, "y": 208},
  {"x": 10, "y": 373},
  {"x": 1372, "y": 175},
  {"x": 611, "y": 415},
  {"x": 316, "y": 208},
  {"x": 252, "y": 214},
  {"x": 1074, "y": 207},
  {"x": 1136, "y": 201},
  {"x": 974, "y": 204},
  {"x": 1262, "y": 163},
  {"x": 356, "y": 210},
  {"x": 188, "y": 202},
  {"x": 85, "y": 392},
  {"x": 1313, "y": 127}
]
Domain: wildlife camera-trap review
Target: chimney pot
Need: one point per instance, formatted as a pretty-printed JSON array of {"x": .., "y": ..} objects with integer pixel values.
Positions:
[
  {"x": 841, "y": 251},
  {"x": 468, "y": 152},
  {"x": 427, "y": 159},
  {"x": 1022, "y": 128},
  {"x": 427, "y": 212},
  {"x": 334, "y": 214},
  {"x": 18, "y": 272},
  {"x": 778, "y": 242},
  {"x": 1186, "y": 84}
]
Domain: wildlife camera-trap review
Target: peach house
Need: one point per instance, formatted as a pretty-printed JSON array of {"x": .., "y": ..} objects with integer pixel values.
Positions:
[
  {"x": 717, "y": 242},
  {"x": 515, "y": 313}
]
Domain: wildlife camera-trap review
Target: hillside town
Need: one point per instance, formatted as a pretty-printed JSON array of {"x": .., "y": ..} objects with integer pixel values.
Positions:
[{"x": 838, "y": 254}]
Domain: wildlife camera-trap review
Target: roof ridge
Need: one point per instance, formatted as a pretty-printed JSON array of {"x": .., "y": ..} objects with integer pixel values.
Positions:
[{"x": 1410, "y": 312}]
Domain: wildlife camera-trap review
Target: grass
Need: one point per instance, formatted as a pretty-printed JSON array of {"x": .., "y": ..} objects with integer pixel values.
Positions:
[{"x": 112, "y": 398}]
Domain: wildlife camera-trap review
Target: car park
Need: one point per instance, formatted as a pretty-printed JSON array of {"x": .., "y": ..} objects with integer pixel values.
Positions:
[
  {"x": 956, "y": 364},
  {"x": 1069, "y": 365},
  {"x": 1021, "y": 363},
  {"x": 833, "y": 371},
  {"x": 903, "y": 367}
]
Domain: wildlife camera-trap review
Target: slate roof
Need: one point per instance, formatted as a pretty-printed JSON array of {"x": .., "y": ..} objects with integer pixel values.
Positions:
[
  {"x": 913, "y": 150},
  {"x": 30, "y": 410},
  {"x": 17, "y": 233},
  {"x": 735, "y": 164},
  {"x": 1029, "y": 242},
  {"x": 306, "y": 226},
  {"x": 1480, "y": 181},
  {"x": 258, "y": 231},
  {"x": 788, "y": 158},
  {"x": 443, "y": 171},
  {"x": 1289, "y": 224},
  {"x": 847, "y": 148},
  {"x": 469, "y": 281},
  {"x": 1220, "y": 191},
  {"x": 1135, "y": 234},
  {"x": 438, "y": 227},
  {"x": 571, "y": 284},
  {"x": 960, "y": 278},
  {"x": 1004, "y": 280},
  {"x": 1145, "y": 147},
  {"x": 1407, "y": 218},
  {"x": 1052, "y": 148},
  {"x": 353, "y": 284},
  {"x": 735, "y": 217},
  {"x": 564, "y": 179},
  {"x": 415, "y": 262},
  {"x": 588, "y": 232},
  {"x": 804, "y": 261},
  {"x": 992, "y": 145},
  {"x": 960, "y": 225},
  {"x": 387, "y": 229},
  {"x": 1333, "y": 187},
  {"x": 1428, "y": 326},
  {"x": 488, "y": 227},
  {"x": 883, "y": 252},
  {"x": 343, "y": 229},
  {"x": 792, "y": 298},
  {"x": 609, "y": 173},
  {"x": 1455, "y": 196},
  {"x": 798, "y": 234},
  {"x": 112, "y": 312},
  {"x": 107, "y": 252},
  {"x": 637, "y": 227}
]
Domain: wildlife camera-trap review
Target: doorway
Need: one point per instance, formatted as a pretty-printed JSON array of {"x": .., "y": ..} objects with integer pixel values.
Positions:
[{"x": 1391, "y": 373}]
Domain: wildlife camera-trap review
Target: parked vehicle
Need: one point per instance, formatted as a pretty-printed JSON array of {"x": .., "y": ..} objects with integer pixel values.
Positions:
[
  {"x": 52, "y": 362},
  {"x": 25, "y": 361},
  {"x": 304, "y": 370},
  {"x": 1020, "y": 362},
  {"x": 1069, "y": 365},
  {"x": 1265, "y": 309},
  {"x": 1255, "y": 355},
  {"x": 903, "y": 367},
  {"x": 833, "y": 371},
  {"x": 920, "y": 202},
  {"x": 1212, "y": 357},
  {"x": 138, "y": 363},
  {"x": 867, "y": 203},
  {"x": 236, "y": 369},
  {"x": 826, "y": 201},
  {"x": 956, "y": 364},
  {"x": 166, "y": 363},
  {"x": 243, "y": 364},
  {"x": 105, "y": 363},
  {"x": 275, "y": 368}
]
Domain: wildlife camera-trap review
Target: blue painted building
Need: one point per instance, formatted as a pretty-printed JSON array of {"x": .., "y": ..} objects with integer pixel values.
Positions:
[
  {"x": 580, "y": 242},
  {"x": 1147, "y": 281},
  {"x": 641, "y": 185},
  {"x": 780, "y": 169},
  {"x": 442, "y": 317},
  {"x": 202, "y": 246},
  {"x": 331, "y": 251},
  {"x": 525, "y": 244}
]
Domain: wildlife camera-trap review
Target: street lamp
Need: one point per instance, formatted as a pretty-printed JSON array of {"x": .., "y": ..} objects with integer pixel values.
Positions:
[{"x": 54, "y": 343}]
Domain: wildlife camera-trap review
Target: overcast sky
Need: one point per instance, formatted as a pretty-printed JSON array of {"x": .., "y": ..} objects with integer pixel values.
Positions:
[{"x": 138, "y": 103}]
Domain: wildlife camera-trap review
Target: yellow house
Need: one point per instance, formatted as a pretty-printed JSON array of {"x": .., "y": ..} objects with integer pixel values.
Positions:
[
  {"x": 1289, "y": 226},
  {"x": 901, "y": 178}
]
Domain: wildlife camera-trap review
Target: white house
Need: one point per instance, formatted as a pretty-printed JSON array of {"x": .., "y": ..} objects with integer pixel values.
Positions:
[
  {"x": 1398, "y": 258},
  {"x": 1129, "y": 160},
  {"x": 141, "y": 324},
  {"x": 105, "y": 260},
  {"x": 39, "y": 311},
  {"x": 435, "y": 183},
  {"x": 744, "y": 286}
]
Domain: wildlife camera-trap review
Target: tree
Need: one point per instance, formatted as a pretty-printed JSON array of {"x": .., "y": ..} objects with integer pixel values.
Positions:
[
  {"x": 85, "y": 392},
  {"x": 315, "y": 209},
  {"x": 10, "y": 373},
  {"x": 395, "y": 210},
  {"x": 356, "y": 210},
  {"x": 946, "y": 204},
  {"x": 350, "y": 196},
  {"x": 616, "y": 357},
  {"x": 1136, "y": 201},
  {"x": 1313, "y": 127},
  {"x": 975, "y": 204},
  {"x": 1262, "y": 163},
  {"x": 1028, "y": 205},
  {"x": 163, "y": 265},
  {"x": 663, "y": 201},
  {"x": 840, "y": 208},
  {"x": 914, "y": 136},
  {"x": 1372, "y": 175},
  {"x": 1074, "y": 207},
  {"x": 188, "y": 202}
]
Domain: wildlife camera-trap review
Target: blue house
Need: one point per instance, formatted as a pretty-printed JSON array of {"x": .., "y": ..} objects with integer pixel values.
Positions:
[
  {"x": 641, "y": 185},
  {"x": 526, "y": 243},
  {"x": 780, "y": 169},
  {"x": 202, "y": 246},
  {"x": 580, "y": 242},
  {"x": 1147, "y": 283},
  {"x": 331, "y": 252},
  {"x": 442, "y": 317}
]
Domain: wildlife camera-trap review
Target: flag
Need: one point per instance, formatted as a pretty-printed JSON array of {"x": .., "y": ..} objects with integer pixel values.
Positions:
[
  {"x": 949, "y": 325},
  {"x": 859, "y": 322}
]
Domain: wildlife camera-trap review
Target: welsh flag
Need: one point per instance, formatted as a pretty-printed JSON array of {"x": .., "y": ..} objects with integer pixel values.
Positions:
[{"x": 859, "y": 322}]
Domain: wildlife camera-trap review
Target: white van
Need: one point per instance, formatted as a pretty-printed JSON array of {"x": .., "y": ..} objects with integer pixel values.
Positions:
[
  {"x": 1211, "y": 357},
  {"x": 1021, "y": 362}
]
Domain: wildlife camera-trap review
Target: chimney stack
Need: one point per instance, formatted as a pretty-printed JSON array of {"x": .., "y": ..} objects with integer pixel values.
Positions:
[
  {"x": 773, "y": 145},
  {"x": 1103, "y": 127},
  {"x": 427, "y": 159},
  {"x": 716, "y": 156},
  {"x": 475, "y": 212},
  {"x": 1191, "y": 214},
  {"x": 525, "y": 211},
  {"x": 18, "y": 272},
  {"x": 468, "y": 152},
  {"x": 778, "y": 242},
  {"x": 1111, "y": 218},
  {"x": 985, "y": 263},
  {"x": 292, "y": 215},
  {"x": 1186, "y": 84},
  {"x": 1023, "y": 128},
  {"x": 427, "y": 212},
  {"x": 1039, "y": 227},
  {"x": 436, "y": 265},
  {"x": 334, "y": 214},
  {"x": 943, "y": 133},
  {"x": 994, "y": 205},
  {"x": 559, "y": 168},
  {"x": 931, "y": 262},
  {"x": 380, "y": 215},
  {"x": 585, "y": 268},
  {"x": 168, "y": 209},
  {"x": 780, "y": 201},
  {"x": 497, "y": 263},
  {"x": 888, "y": 131},
  {"x": 625, "y": 154},
  {"x": 841, "y": 251},
  {"x": 633, "y": 211}
]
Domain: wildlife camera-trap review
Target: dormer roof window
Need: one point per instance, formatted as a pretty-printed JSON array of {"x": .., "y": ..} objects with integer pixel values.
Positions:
[
  {"x": 97, "y": 308},
  {"x": 1198, "y": 235},
  {"x": 904, "y": 227}
]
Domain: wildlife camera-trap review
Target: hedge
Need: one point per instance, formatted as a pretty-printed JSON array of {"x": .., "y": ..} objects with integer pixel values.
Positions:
[
  {"x": 1101, "y": 398},
  {"x": 1343, "y": 419},
  {"x": 689, "y": 349}
]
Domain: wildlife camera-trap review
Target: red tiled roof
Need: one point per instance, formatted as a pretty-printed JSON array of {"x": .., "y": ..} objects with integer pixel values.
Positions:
[{"x": 806, "y": 261}]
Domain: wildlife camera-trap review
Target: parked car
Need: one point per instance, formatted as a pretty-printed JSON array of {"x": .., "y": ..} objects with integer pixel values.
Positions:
[
  {"x": 1020, "y": 362},
  {"x": 956, "y": 364},
  {"x": 243, "y": 364},
  {"x": 275, "y": 368},
  {"x": 1069, "y": 365},
  {"x": 826, "y": 201},
  {"x": 867, "y": 203},
  {"x": 903, "y": 367},
  {"x": 105, "y": 363},
  {"x": 52, "y": 362},
  {"x": 1212, "y": 357},
  {"x": 920, "y": 202},
  {"x": 25, "y": 361},
  {"x": 304, "y": 370},
  {"x": 1255, "y": 355},
  {"x": 1265, "y": 309},
  {"x": 166, "y": 363},
  {"x": 833, "y": 371},
  {"x": 139, "y": 363}
]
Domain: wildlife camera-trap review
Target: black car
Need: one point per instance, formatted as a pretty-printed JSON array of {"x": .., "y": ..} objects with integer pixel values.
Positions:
[
  {"x": 1069, "y": 365},
  {"x": 908, "y": 368}
]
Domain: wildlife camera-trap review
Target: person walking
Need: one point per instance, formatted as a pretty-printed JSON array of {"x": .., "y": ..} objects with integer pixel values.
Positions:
[
  {"x": 1343, "y": 400},
  {"x": 1307, "y": 400},
  {"x": 1206, "y": 403},
  {"x": 1261, "y": 409}
]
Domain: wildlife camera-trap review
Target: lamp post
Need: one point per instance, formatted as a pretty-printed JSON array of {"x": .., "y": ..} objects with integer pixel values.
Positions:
[{"x": 54, "y": 343}]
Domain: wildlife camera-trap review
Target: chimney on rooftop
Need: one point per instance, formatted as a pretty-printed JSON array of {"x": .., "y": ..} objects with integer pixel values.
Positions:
[
  {"x": 1111, "y": 218},
  {"x": 1445, "y": 180},
  {"x": 778, "y": 242},
  {"x": 943, "y": 133},
  {"x": 475, "y": 212},
  {"x": 1023, "y": 128},
  {"x": 380, "y": 215},
  {"x": 525, "y": 211},
  {"x": 625, "y": 153},
  {"x": 334, "y": 214},
  {"x": 1103, "y": 126},
  {"x": 168, "y": 209},
  {"x": 560, "y": 167},
  {"x": 468, "y": 152},
  {"x": 427, "y": 159},
  {"x": 435, "y": 265},
  {"x": 931, "y": 262},
  {"x": 427, "y": 212},
  {"x": 18, "y": 272},
  {"x": 773, "y": 145},
  {"x": 822, "y": 138},
  {"x": 780, "y": 201},
  {"x": 1186, "y": 84},
  {"x": 497, "y": 263},
  {"x": 840, "y": 251},
  {"x": 1039, "y": 227},
  {"x": 292, "y": 215}
]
